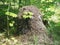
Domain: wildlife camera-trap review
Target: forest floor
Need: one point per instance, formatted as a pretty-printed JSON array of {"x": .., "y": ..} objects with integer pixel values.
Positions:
[
  {"x": 12, "y": 40},
  {"x": 9, "y": 41}
]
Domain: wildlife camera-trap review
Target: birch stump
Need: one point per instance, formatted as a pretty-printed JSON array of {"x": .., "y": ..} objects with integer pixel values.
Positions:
[{"x": 32, "y": 30}]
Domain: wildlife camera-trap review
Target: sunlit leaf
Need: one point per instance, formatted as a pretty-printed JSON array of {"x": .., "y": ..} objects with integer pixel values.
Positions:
[
  {"x": 30, "y": 13},
  {"x": 25, "y": 16},
  {"x": 51, "y": 9},
  {"x": 11, "y": 14},
  {"x": 25, "y": 13},
  {"x": 11, "y": 24},
  {"x": 30, "y": 16}
]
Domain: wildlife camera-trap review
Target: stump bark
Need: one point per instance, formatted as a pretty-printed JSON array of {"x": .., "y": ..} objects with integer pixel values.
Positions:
[{"x": 32, "y": 31}]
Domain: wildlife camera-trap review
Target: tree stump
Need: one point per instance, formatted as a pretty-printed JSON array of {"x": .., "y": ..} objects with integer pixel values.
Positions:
[{"x": 32, "y": 30}]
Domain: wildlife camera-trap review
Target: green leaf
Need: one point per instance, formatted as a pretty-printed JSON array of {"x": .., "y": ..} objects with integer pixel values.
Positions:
[
  {"x": 11, "y": 24},
  {"x": 30, "y": 16},
  {"x": 11, "y": 14},
  {"x": 30, "y": 13},
  {"x": 24, "y": 16},
  {"x": 25, "y": 13}
]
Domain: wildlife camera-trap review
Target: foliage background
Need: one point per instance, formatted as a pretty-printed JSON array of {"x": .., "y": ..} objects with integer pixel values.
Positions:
[{"x": 50, "y": 10}]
